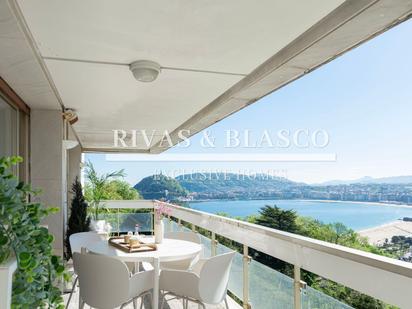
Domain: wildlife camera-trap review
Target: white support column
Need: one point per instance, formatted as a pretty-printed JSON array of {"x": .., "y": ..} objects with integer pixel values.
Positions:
[
  {"x": 73, "y": 169},
  {"x": 72, "y": 158},
  {"x": 48, "y": 166}
]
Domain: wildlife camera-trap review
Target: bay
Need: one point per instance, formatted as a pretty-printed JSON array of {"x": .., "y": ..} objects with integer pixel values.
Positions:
[{"x": 357, "y": 216}]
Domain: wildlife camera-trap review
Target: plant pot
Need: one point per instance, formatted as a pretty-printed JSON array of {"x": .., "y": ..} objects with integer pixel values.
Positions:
[{"x": 159, "y": 231}]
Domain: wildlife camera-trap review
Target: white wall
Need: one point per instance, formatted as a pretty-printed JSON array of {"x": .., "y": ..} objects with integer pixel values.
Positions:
[
  {"x": 74, "y": 158},
  {"x": 47, "y": 166},
  {"x": 74, "y": 161}
]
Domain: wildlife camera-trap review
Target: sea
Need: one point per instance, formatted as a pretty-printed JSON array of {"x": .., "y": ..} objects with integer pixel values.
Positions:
[{"x": 358, "y": 216}]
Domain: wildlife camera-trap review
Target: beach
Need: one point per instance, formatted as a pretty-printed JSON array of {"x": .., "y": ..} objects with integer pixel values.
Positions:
[{"x": 377, "y": 235}]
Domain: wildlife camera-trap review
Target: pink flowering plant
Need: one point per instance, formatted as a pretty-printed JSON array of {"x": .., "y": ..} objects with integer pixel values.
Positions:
[{"x": 161, "y": 210}]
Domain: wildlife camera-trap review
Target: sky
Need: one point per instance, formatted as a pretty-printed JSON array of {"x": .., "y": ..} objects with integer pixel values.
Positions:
[{"x": 362, "y": 100}]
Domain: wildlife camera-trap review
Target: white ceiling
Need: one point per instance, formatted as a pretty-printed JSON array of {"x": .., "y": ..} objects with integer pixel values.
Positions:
[
  {"x": 107, "y": 97},
  {"x": 216, "y": 56},
  {"x": 19, "y": 66},
  {"x": 229, "y": 36},
  {"x": 223, "y": 36}
]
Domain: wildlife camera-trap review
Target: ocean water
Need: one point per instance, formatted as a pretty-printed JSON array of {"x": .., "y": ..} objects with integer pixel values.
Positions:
[{"x": 357, "y": 216}]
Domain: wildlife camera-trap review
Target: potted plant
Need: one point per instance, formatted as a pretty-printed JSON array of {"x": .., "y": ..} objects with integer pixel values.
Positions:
[
  {"x": 23, "y": 238},
  {"x": 79, "y": 221},
  {"x": 96, "y": 192},
  {"x": 161, "y": 210}
]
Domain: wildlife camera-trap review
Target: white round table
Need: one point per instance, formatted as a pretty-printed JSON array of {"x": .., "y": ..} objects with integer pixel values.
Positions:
[{"x": 169, "y": 250}]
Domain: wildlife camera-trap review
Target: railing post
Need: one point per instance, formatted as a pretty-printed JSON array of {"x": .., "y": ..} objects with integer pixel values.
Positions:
[
  {"x": 118, "y": 221},
  {"x": 213, "y": 247},
  {"x": 153, "y": 221},
  {"x": 193, "y": 227},
  {"x": 246, "y": 261},
  {"x": 179, "y": 222},
  {"x": 296, "y": 284}
]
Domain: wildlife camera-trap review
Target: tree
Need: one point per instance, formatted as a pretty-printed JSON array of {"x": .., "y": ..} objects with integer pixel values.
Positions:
[
  {"x": 97, "y": 184},
  {"x": 276, "y": 218},
  {"x": 115, "y": 190},
  {"x": 79, "y": 221}
]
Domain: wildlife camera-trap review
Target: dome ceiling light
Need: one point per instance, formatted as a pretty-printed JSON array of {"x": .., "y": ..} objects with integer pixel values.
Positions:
[{"x": 145, "y": 70}]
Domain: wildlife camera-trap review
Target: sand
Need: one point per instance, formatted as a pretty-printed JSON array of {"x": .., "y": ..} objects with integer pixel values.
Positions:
[{"x": 377, "y": 235}]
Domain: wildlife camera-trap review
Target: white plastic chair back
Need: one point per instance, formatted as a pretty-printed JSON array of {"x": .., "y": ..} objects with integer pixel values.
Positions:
[
  {"x": 83, "y": 240},
  {"x": 104, "y": 281},
  {"x": 214, "y": 278},
  {"x": 186, "y": 263},
  {"x": 188, "y": 236}
]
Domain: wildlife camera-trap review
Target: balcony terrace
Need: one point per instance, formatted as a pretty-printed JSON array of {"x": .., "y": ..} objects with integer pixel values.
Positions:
[
  {"x": 256, "y": 285},
  {"x": 66, "y": 86}
]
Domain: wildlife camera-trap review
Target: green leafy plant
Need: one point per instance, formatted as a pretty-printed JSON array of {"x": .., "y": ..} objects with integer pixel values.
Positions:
[
  {"x": 116, "y": 189},
  {"x": 21, "y": 235},
  {"x": 79, "y": 221},
  {"x": 97, "y": 185}
]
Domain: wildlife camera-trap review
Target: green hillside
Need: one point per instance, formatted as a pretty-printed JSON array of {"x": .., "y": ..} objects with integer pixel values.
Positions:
[
  {"x": 160, "y": 186},
  {"x": 224, "y": 185},
  {"x": 221, "y": 182},
  {"x": 214, "y": 186}
]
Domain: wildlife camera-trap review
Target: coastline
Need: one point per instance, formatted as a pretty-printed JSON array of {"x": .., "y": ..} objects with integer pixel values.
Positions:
[
  {"x": 378, "y": 235},
  {"x": 358, "y": 202},
  {"x": 375, "y": 235},
  {"x": 308, "y": 200}
]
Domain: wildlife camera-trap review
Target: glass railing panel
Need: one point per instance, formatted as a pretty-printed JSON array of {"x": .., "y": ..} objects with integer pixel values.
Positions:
[
  {"x": 312, "y": 298},
  {"x": 207, "y": 246},
  {"x": 269, "y": 288},
  {"x": 124, "y": 222},
  {"x": 128, "y": 222},
  {"x": 236, "y": 272},
  {"x": 171, "y": 226}
]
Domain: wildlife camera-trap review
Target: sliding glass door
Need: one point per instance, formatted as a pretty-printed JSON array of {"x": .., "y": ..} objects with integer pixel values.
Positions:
[{"x": 8, "y": 129}]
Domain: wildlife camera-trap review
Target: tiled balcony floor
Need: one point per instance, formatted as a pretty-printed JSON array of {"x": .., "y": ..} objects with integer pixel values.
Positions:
[{"x": 171, "y": 304}]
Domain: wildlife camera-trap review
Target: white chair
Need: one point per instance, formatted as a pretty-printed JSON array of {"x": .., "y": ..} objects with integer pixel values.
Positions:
[
  {"x": 105, "y": 282},
  {"x": 206, "y": 283},
  {"x": 83, "y": 240},
  {"x": 187, "y": 263},
  {"x": 77, "y": 242}
]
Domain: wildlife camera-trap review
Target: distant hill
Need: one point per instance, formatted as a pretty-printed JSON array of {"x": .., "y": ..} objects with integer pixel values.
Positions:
[
  {"x": 370, "y": 180},
  {"x": 219, "y": 185},
  {"x": 213, "y": 186},
  {"x": 160, "y": 186},
  {"x": 210, "y": 186}
]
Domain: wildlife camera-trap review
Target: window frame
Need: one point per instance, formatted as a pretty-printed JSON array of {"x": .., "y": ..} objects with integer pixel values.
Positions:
[{"x": 21, "y": 140}]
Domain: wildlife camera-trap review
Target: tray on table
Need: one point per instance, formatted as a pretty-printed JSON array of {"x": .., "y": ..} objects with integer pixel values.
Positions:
[{"x": 118, "y": 242}]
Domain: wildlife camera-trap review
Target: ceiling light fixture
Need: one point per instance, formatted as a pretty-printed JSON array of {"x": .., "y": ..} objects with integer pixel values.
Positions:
[{"x": 145, "y": 70}]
